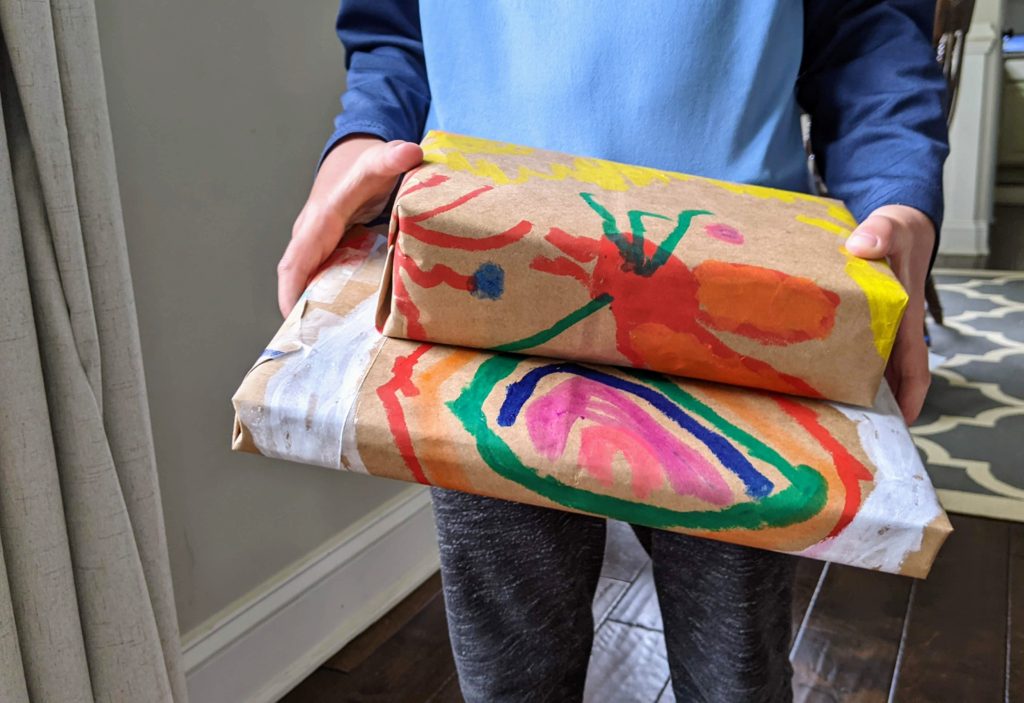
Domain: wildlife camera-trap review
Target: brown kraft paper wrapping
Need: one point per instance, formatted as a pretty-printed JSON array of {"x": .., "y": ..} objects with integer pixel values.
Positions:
[
  {"x": 809, "y": 477},
  {"x": 502, "y": 247}
]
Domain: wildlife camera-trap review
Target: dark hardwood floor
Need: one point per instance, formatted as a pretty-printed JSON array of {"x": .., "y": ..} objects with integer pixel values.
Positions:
[{"x": 858, "y": 635}]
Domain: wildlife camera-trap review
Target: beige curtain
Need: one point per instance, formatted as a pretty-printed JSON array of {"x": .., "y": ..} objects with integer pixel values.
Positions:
[{"x": 86, "y": 609}]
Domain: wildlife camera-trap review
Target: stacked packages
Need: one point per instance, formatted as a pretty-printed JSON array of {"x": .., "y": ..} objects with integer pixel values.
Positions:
[{"x": 622, "y": 284}]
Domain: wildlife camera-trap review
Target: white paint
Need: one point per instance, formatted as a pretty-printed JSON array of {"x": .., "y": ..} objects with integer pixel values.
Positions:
[
  {"x": 261, "y": 646},
  {"x": 890, "y": 524},
  {"x": 352, "y": 460},
  {"x": 309, "y": 399}
]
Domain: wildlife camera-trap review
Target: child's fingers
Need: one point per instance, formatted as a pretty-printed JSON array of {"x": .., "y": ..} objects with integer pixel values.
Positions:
[
  {"x": 374, "y": 174},
  {"x": 320, "y": 225},
  {"x": 314, "y": 236},
  {"x": 910, "y": 376}
]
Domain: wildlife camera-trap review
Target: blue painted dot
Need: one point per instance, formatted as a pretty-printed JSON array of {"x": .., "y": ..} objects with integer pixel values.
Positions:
[{"x": 488, "y": 281}]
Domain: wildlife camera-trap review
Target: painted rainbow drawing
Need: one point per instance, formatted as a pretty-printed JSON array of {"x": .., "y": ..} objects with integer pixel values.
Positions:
[{"x": 809, "y": 477}]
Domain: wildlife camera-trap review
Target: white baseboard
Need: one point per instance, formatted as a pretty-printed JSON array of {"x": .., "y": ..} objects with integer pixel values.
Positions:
[{"x": 256, "y": 650}]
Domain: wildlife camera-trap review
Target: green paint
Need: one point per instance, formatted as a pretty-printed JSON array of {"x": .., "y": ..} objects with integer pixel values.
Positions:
[
  {"x": 556, "y": 329},
  {"x": 608, "y": 224},
  {"x": 803, "y": 499},
  {"x": 666, "y": 248},
  {"x": 632, "y": 252}
]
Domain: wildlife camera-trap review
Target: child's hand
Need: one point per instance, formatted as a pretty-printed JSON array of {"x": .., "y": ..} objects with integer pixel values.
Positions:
[
  {"x": 352, "y": 186},
  {"x": 906, "y": 236}
]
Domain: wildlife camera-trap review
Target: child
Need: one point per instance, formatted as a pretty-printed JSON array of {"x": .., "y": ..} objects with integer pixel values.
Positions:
[{"x": 705, "y": 87}]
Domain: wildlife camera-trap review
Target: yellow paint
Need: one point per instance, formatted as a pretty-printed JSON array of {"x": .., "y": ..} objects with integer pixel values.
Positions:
[
  {"x": 886, "y": 299},
  {"x": 824, "y": 224},
  {"x": 839, "y": 212},
  {"x": 786, "y": 196},
  {"x": 436, "y": 141},
  {"x": 455, "y": 150}
]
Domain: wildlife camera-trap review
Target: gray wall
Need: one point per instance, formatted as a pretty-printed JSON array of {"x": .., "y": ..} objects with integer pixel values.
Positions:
[
  {"x": 1014, "y": 16},
  {"x": 219, "y": 110}
]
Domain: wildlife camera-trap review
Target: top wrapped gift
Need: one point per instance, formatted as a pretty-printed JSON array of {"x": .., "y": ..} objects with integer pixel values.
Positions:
[{"x": 504, "y": 247}]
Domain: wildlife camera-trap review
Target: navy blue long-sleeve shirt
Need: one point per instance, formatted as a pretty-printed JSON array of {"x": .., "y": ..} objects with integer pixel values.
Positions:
[{"x": 705, "y": 87}]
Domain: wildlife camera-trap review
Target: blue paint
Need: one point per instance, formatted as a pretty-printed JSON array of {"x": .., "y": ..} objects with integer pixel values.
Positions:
[
  {"x": 488, "y": 281},
  {"x": 517, "y": 393}
]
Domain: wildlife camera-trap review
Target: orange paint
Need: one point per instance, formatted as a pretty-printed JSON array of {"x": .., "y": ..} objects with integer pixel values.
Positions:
[
  {"x": 444, "y": 467},
  {"x": 698, "y": 353},
  {"x": 763, "y": 304}
]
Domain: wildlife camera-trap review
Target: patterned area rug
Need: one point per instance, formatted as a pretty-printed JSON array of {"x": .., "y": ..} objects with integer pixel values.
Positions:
[{"x": 971, "y": 431}]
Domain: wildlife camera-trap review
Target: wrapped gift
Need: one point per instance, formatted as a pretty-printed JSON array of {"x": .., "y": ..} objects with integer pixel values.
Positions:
[
  {"x": 809, "y": 477},
  {"x": 503, "y": 247}
]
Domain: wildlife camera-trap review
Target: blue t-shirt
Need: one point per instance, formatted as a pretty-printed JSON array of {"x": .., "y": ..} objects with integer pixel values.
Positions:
[
  {"x": 705, "y": 87},
  {"x": 710, "y": 90}
]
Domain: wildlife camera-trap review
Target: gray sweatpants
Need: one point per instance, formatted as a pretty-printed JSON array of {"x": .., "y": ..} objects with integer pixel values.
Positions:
[{"x": 519, "y": 582}]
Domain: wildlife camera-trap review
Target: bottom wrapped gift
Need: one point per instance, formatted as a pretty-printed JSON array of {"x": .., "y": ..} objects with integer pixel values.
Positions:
[{"x": 813, "y": 478}]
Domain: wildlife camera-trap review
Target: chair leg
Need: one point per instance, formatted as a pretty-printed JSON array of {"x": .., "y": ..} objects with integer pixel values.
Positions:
[{"x": 931, "y": 297}]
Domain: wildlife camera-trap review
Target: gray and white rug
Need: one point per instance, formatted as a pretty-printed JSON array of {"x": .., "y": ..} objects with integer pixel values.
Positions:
[{"x": 971, "y": 431}]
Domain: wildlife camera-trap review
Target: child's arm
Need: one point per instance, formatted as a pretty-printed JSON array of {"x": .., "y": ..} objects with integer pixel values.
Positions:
[
  {"x": 878, "y": 129},
  {"x": 386, "y": 101},
  {"x": 386, "y": 94}
]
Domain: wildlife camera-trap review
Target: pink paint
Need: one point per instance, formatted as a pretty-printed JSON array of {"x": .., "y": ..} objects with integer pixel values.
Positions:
[
  {"x": 621, "y": 426},
  {"x": 724, "y": 233},
  {"x": 598, "y": 446}
]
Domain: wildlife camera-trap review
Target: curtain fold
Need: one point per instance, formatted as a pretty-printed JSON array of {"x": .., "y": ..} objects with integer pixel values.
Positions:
[{"x": 86, "y": 608}]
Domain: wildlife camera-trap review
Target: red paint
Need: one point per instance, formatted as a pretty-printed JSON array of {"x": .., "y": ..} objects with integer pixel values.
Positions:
[
  {"x": 354, "y": 246},
  {"x": 437, "y": 275},
  {"x": 434, "y": 180},
  {"x": 851, "y": 472},
  {"x": 401, "y": 382},
  {"x": 451, "y": 241},
  {"x": 461, "y": 200},
  {"x": 403, "y": 301},
  {"x": 659, "y": 322},
  {"x": 560, "y": 266},
  {"x": 579, "y": 248}
]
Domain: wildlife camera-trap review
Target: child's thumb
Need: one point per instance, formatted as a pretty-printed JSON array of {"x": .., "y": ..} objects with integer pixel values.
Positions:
[
  {"x": 873, "y": 238},
  {"x": 393, "y": 159}
]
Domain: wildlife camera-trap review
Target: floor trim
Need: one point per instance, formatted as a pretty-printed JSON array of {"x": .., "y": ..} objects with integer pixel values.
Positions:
[
  {"x": 977, "y": 273},
  {"x": 263, "y": 645}
]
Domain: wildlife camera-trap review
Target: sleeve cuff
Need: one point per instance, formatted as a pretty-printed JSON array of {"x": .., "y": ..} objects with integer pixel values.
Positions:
[{"x": 346, "y": 128}]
